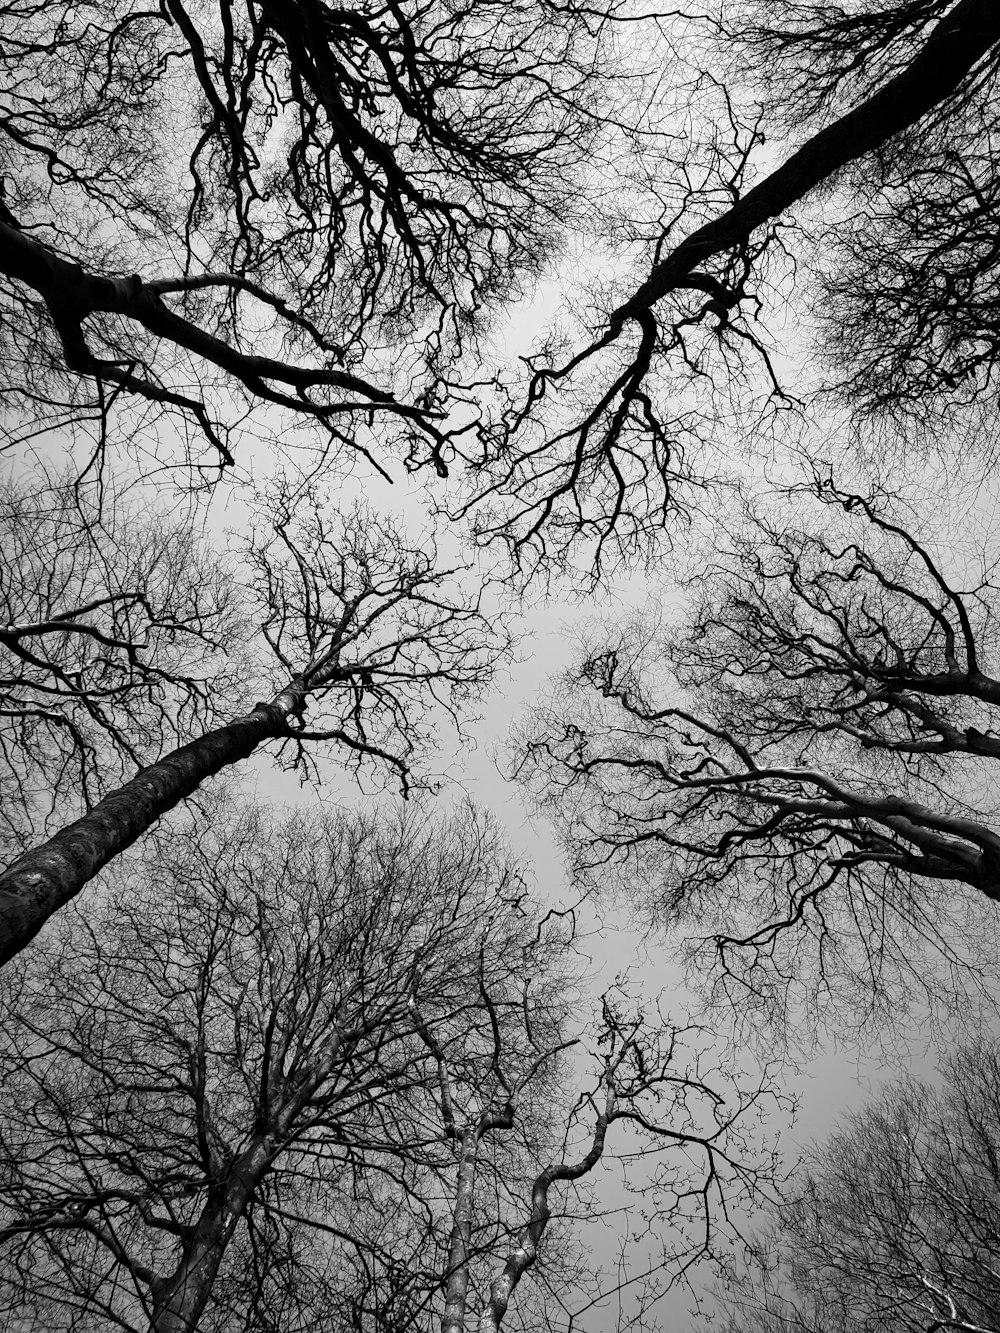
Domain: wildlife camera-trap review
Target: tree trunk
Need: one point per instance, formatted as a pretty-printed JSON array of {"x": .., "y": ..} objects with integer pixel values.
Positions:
[
  {"x": 456, "y": 1290},
  {"x": 46, "y": 878},
  {"x": 179, "y": 1301},
  {"x": 525, "y": 1250},
  {"x": 953, "y": 48}
]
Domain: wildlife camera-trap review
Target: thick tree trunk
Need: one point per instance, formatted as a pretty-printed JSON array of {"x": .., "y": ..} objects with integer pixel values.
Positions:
[
  {"x": 953, "y": 48},
  {"x": 44, "y": 879},
  {"x": 179, "y": 1301}
]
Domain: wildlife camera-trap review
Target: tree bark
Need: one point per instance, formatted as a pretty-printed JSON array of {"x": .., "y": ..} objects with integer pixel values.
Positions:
[
  {"x": 456, "y": 1290},
  {"x": 46, "y": 878},
  {"x": 954, "y": 46},
  {"x": 179, "y": 1301},
  {"x": 525, "y": 1251}
]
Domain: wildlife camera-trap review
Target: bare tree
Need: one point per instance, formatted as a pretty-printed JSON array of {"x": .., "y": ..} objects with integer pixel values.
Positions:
[
  {"x": 906, "y": 280},
  {"x": 355, "y": 193},
  {"x": 808, "y": 757},
  {"x": 893, "y": 1221},
  {"x": 368, "y": 634},
  {"x": 700, "y": 1168},
  {"x": 221, "y": 207},
  {"x": 119, "y": 634},
  {"x": 307, "y": 1072},
  {"x": 222, "y": 1052},
  {"x": 601, "y": 449}
]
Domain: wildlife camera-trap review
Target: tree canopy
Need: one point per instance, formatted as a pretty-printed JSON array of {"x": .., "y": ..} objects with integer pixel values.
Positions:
[
  {"x": 892, "y": 1222},
  {"x": 315, "y": 1070},
  {"x": 700, "y": 297}
]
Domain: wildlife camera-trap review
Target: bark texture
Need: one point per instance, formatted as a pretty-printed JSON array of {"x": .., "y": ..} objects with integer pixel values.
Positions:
[{"x": 47, "y": 877}]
